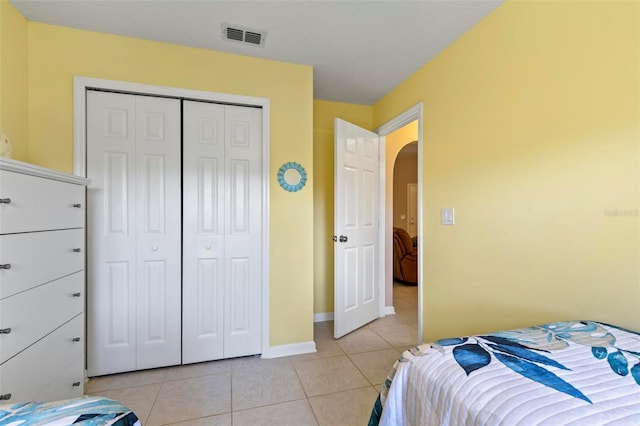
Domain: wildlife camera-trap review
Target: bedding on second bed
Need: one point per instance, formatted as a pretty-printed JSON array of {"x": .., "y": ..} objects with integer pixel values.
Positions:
[
  {"x": 578, "y": 372},
  {"x": 85, "y": 411}
]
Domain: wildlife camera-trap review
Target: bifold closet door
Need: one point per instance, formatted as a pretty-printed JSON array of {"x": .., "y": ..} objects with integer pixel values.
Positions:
[
  {"x": 133, "y": 223},
  {"x": 222, "y": 231}
]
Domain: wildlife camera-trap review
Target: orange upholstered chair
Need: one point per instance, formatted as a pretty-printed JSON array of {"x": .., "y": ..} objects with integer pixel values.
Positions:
[{"x": 405, "y": 257}]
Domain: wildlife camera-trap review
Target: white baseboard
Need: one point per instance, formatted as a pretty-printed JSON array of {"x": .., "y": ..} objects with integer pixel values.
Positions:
[
  {"x": 325, "y": 316},
  {"x": 289, "y": 350},
  {"x": 328, "y": 316}
]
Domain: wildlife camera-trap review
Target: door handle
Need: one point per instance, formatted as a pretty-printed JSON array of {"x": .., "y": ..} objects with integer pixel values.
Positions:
[{"x": 343, "y": 239}]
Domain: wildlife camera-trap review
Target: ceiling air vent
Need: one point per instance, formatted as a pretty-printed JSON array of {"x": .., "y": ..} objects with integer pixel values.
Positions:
[{"x": 240, "y": 34}]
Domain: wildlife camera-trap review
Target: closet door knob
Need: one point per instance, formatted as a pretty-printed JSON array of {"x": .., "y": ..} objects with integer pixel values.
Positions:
[
  {"x": 76, "y": 384},
  {"x": 5, "y": 201},
  {"x": 5, "y": 266},
  {"x": 76, "y": 294},
  {"x": 77, "y": 206},
  {"x": 75, "y": 339},
  {"x": 5, "y": 330},
  {"x": 5, "y": 397},
  {"x": 77, "y": 250}
]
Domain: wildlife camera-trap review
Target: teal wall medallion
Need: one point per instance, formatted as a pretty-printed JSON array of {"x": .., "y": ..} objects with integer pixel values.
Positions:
[{"x": 292, "y": 177}]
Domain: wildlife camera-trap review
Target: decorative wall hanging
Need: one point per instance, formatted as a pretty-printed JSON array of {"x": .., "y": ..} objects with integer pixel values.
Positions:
[{"x": 292, "y": 177}]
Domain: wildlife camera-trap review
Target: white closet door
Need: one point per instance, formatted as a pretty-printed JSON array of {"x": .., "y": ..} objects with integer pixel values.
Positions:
[
  {"x": 222, "y": 234},
  {"x": 133, "y": 223},
  {"x": 243, "y": 231},
  {"x": 203, "y": 231},
  {"x": 158, "y": 216},
  {"x": 111, "y": 234}
]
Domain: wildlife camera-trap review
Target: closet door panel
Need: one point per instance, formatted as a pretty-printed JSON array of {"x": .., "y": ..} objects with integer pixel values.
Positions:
[
  {"x": 203, "y": 231},
  {"x": 158, "y": 217},
  {"x": 111, "y": 236},
  {"x": 243, "y": 231},
  {"x": 134, "y": 279}
]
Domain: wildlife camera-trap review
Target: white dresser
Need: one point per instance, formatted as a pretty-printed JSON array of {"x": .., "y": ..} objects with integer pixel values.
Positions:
[{"x": 42, "y": 283}]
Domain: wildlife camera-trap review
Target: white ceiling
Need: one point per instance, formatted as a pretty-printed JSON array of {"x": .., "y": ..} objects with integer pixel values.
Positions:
[{"x": 359, "y": 50}]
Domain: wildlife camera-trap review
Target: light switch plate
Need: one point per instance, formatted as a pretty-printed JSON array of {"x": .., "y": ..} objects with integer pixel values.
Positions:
[{"x": 448, "y": 216}]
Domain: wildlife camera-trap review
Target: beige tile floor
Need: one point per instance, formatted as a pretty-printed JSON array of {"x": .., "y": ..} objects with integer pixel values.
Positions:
[{"x": 337, "y": 385}]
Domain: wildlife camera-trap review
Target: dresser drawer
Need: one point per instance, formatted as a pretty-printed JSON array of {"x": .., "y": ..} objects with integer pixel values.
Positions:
[
  {"x": 39, "y": 204},
  {"x": 39, "y": 257},
  {"x": 26, "y": 375},
  {"x": 32, "y": 314},
  {"x": 69, "y": 384}
]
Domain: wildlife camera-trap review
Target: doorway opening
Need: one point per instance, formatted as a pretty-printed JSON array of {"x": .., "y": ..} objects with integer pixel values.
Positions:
[
  {"x": 397, "y": 133},
  {"x": 405, "y": 227}
]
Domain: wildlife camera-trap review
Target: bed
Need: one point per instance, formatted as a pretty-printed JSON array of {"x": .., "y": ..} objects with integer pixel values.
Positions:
[
  {"x": 565, "y": 373},
  {"x": 85, "y": 411}
]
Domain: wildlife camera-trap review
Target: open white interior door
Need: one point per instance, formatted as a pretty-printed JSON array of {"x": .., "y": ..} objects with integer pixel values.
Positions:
[{"x": 356, "y": 249}]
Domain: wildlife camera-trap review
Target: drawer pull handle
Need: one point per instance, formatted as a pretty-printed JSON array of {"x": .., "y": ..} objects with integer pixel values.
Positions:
[
  {"x": 76, "y": 384},
  {"x": 76, "y": 294},
  {"x": 5, "y": 266},
  {"x": 75, "y": 339},
  {"x": 77, "y": 250},
  {"x": 5, "y": 330},
  {"x": 77, "y": 205},
  {"x": 5, "y": 201},
  {"x": 6, "y": 397}
]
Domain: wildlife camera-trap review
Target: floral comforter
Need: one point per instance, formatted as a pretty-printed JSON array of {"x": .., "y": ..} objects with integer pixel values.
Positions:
[
  {"x": 566, "y": 373},
  {"x": 85, "y": 411}
]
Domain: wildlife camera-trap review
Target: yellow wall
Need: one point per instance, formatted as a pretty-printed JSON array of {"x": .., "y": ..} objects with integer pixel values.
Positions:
[
  {"x": 13, "y": 79},
  {"x": 531, "y": 132},
  {"x": 57, "y": 54},
  {"x": 324, "y": 113}
]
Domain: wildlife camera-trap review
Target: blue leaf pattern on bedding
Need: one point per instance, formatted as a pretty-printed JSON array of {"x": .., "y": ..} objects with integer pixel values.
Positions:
[
  {"x": 599, "y": 352},
  {"x": 471, "y": 357},
  {"x": 558, "y": 336},
  {"x": 451, "y": 342},
  {"x": 538, "y": 374},
  {"x": 618, "y": 363},
  {"x": 528, "y": 355},
  {"x": 85, "y": 411},
  {"x": 521, "y": 350},
  {"x": 505, "y": 342},
  {"x": 635, "y": 373}
]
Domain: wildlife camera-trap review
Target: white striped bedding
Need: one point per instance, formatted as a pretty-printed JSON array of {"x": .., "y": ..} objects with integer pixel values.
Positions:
[{"x": 569, "y": 373}]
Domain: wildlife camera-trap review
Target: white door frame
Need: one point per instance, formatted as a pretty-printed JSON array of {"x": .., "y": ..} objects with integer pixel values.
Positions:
[
  {"x": 82, "y": 84},
  {"x": 386, "y": 275}
]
